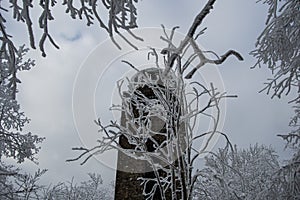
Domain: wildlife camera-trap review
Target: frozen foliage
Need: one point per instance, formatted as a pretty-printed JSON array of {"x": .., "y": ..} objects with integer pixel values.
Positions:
[
  {"x": 239, "y": 174},
  {"x": 160, "y": 94},
  {"x": 278, "y": 48},
  {"x": 13, "y": 143},
  {"x": 121, "y": 16}
]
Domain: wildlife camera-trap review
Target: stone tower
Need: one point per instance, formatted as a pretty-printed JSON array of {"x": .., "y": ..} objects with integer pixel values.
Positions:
[{"x": 129, "y": 169}]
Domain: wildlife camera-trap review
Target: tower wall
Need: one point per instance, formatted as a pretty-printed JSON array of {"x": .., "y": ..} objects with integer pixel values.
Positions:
[{"x": 129, "y": 169}]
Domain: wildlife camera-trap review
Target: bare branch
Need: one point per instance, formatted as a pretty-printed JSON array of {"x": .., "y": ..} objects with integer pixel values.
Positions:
[
  {"x": 218, "y": 61},
  {"x": 199, "y": 18}
]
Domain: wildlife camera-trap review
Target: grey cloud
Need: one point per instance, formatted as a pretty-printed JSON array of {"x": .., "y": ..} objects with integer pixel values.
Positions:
[{"x": 46, "y": 91}]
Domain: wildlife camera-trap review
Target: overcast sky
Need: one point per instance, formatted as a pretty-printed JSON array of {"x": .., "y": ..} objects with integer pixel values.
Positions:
[{"x": 72, "y": 86}]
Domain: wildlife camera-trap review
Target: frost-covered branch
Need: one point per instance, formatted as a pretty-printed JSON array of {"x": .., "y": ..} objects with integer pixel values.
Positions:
[
  {"x": 26, "y": 186},
  {"x": 13, "y": 143},
  {"x": 122, "y": 15},
  {"x": 239, "y": 174},
  {"x": 278, "y": 47},
  {"x": 17, "y": 185}
]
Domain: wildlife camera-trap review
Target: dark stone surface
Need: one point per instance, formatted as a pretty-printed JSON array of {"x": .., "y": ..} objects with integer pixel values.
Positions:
[{"x": 129, "y": 169}]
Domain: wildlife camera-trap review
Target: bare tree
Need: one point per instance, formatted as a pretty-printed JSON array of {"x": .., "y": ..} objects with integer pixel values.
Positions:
[
  {"x": 171, "y": 150},
  {"x": 238, "y": 174},
  {"x": 16, "y": 185},
  {"x": 91, "y": 189}
]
